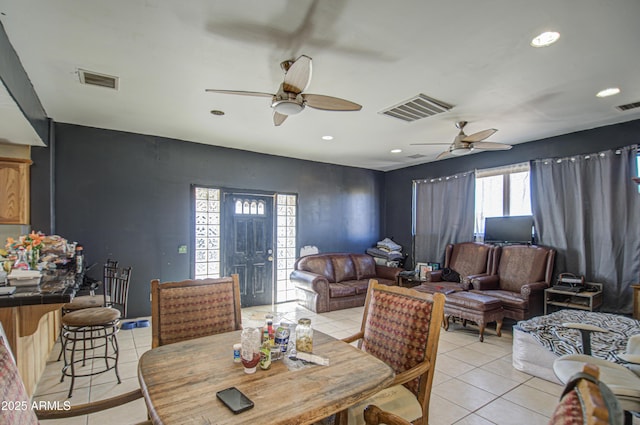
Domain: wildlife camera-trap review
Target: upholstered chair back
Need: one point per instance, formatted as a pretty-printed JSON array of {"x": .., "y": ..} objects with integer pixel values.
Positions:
[
  {"x": 470, "y": 258},
  {"x": 401, "y": 327},
  {"x": 522, "y": 264},
  {"x": 194, "y": 308}
]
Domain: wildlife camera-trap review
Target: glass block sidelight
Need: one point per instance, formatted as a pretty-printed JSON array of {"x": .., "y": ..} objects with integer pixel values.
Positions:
[
  {"x": 286, "y": 210},
  {"x": 207, "y": 232}
]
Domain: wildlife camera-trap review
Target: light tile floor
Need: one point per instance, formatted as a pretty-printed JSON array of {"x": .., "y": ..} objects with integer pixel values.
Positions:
[{"x": 474, "y": 383}]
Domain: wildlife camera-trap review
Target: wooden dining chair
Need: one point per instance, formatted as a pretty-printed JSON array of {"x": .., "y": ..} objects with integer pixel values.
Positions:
[
  {"x": 14, "y": 391},
  {"x": 401, "y": 327},
  {"x": 587, "y": 401},
  {"x": 194, "y": 308},
  {"x": 373, "y": 415}
]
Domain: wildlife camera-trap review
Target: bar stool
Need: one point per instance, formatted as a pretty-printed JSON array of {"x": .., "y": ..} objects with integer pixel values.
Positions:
[
  {"x": 92, "y": 300},
  {"x": 98, "y": 328}
]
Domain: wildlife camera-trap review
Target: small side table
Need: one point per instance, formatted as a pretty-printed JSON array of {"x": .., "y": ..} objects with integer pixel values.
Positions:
[
  {"x": 410, "y": 281},
  {"x": 636, "y": 301},
  {"x": 589, "y": 300}
]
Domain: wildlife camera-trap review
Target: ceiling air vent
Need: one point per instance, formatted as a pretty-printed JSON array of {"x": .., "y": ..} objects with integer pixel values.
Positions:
[
  {"x": 628, "y": 106},
  {"x": 96, "y": 79},
  {"x": 416, "y": 156},
  {"x": 418, "y": 107}
]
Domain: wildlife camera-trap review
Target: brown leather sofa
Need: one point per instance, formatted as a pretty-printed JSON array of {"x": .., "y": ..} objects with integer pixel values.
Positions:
[
  {"x": 327, "y": 282},
  {"x": 469, "y": 259},
  {"x": 524, "y": 272}
]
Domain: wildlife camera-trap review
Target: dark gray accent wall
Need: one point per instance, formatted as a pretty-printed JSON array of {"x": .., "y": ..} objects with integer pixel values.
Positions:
[
  {"x": 399, "y": 183},
  {"x": 127, "y": 197},
  {"x": 43, "y": 185},
  {"x": 18, "y": 84}
]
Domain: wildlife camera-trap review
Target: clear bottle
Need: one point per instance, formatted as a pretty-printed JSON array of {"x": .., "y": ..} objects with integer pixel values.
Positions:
[
  {"x": 250, "y": 349},
  {"x": 304, "y": 336}
]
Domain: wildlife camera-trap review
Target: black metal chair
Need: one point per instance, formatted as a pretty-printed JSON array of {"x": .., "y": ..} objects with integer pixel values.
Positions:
[
  {"x": 92, "y": 300},
  {"x": 92, "y": 331}
]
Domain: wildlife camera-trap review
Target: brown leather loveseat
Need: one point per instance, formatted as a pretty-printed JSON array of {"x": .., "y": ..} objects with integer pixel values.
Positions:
[{"x": 327, "y": 282}]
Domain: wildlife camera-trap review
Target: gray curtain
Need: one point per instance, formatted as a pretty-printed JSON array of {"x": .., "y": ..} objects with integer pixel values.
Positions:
[
  {"x": 444, "y": 210},
  {"x": 586, "y": 207}
]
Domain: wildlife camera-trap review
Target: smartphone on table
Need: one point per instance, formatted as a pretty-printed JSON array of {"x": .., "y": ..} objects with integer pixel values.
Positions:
[{"x": 235, "y": 400}]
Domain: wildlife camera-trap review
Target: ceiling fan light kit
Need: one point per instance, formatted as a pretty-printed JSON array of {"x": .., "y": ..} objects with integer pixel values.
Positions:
[
  {"x": 464, "y": 145},
  {"x": 461, "y": 151},
  {"x": 290, "y": 99},
  {"x": 287, "y": 107}
]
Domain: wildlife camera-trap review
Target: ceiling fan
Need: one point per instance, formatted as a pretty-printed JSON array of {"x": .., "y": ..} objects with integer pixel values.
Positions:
[
  {"x": 290, "y": 99},
  {"x": 464, "y": 145}
]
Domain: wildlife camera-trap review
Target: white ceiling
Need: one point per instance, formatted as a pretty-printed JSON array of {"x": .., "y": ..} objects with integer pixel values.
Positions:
[{"x": 470, "y": 53}]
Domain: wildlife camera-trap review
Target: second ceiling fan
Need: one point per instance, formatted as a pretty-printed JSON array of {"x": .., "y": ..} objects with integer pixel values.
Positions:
[
  {"x": 464, "y": 145},
  {"x": 290, "y": 98}
]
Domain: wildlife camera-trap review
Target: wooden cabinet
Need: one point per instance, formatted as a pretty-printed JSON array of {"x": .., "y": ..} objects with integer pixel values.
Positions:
[{"x": 14, "y": 190}]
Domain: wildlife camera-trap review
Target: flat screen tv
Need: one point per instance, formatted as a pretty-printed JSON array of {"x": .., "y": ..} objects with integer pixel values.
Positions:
[{"x": 511, "y": 229}]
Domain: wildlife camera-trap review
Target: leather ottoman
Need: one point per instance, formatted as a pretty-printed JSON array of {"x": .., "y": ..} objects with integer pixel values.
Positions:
[
  {"x": 478, "y": 308},
  {"x": 443, "y": 287}
]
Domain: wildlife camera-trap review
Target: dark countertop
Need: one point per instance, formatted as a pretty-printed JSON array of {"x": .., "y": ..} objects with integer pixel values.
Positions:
[{"x": 56, "y": 287}]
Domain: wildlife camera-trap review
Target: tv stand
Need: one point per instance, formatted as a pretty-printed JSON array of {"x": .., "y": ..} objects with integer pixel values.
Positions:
[{"x": 590, "y": 299}]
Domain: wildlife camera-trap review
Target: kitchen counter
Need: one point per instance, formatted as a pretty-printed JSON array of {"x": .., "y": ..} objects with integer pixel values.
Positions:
[
  {"x": 56, "y": 287},
  {"x": 31, "y": 320}
]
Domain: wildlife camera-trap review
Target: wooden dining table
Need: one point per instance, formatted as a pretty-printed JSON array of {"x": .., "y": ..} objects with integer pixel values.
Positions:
[{"x": 179, "y": 382}]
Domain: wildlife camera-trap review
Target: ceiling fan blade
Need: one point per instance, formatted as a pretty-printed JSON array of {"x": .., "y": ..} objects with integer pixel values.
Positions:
[
  {"x": 298, "y": 75},
  {"x": 480, "y": 135},
  {"x": 491, "y": 146},
  {"x": 278, "y": 118},
  {"x": 330, "y": 103},
  {"x": 443, "y": 155},
  {"x": 243, "y": 93}
]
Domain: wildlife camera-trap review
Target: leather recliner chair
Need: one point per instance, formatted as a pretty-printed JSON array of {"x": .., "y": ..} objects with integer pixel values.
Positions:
[
  {"x": 524, "y": 272},
  {"x": 469, "y": 260}
]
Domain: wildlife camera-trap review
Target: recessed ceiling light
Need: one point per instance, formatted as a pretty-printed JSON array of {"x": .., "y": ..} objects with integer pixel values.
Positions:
[
  {"x": 396, "y": 150},
  {"x": 545, "y": 39},
  {"x": 608, "y": 92},
  {"x": 327, "y": 137}
]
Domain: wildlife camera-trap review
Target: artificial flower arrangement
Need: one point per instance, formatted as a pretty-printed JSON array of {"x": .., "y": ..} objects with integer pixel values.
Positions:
[
  {"x": 37, "y": 248},
  {"x": 32, "y": 244}
]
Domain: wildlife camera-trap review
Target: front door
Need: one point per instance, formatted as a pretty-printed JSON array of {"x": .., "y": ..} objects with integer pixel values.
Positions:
[{"x": 248, "y": 245}]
